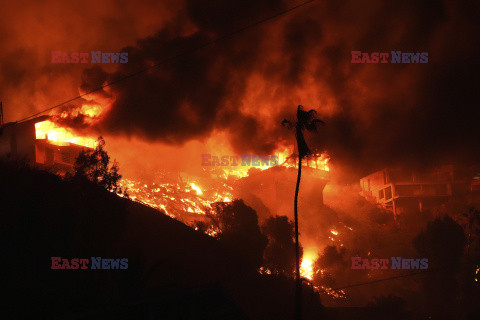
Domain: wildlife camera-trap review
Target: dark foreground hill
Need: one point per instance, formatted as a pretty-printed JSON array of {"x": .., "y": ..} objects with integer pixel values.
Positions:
[{"x": 173, "y": 271}]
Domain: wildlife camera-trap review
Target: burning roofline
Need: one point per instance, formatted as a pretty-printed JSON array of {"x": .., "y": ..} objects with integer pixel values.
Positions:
[{"x": 27, "y": 122}]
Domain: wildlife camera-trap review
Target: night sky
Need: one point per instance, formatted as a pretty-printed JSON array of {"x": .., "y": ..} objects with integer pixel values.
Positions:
[{"x": 243, "y": 87}]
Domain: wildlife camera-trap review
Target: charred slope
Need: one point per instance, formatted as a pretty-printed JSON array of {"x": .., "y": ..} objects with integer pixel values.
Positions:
[{"x": 173, "y": 271}]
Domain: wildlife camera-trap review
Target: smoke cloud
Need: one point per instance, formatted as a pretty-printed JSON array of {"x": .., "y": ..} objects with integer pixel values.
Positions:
[{"x": 377, "y": 114}]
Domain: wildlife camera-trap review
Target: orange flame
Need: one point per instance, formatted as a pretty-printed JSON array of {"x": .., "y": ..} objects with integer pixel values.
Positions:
[
  {"x": 91, "y": 112},
  {"x": 51, "y": 131},
  {"x": 308, "y": 265},
  {"x": 318, "y": 161}
]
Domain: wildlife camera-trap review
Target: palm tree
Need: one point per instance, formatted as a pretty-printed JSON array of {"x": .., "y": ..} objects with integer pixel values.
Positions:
[{"x": 306, "y": 120}]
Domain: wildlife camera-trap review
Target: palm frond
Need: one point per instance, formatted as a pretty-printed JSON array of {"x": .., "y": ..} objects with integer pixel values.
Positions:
[
  {"x": 287, "y": 124},
  {"x": 311, "y": 114},
  {"x": 312, "y": 125}
]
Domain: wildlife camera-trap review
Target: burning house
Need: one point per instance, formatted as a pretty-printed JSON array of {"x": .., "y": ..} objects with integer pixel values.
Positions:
[
  {"x": 401, "y": 190},
  {"x": 30, "y": 140},
  {"x": 273, "y": 189}
]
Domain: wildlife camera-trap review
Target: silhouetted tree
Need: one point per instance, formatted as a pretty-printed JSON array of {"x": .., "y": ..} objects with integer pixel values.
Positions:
[
  {"x": 239, "y": 228},
  {"x": 306, "y": 120},
  {"x": 389, "y": 307},
  {"x": 94, "y": 166},
  {"x": 279, "y": 255},
  {"x": 331, "y": 261},
  {"x": 442, "y": 242},
  {"x": 42, "y": 216},
  {"x": 472, "y": 228},
  {"x": 332, "y": 256}
]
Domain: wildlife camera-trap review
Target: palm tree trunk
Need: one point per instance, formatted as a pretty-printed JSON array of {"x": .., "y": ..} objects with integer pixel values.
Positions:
[{"x": 298, "y": 281}]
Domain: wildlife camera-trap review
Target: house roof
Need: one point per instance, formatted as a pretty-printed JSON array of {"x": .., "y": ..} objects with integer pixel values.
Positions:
[{"x": 28, "y": 122}]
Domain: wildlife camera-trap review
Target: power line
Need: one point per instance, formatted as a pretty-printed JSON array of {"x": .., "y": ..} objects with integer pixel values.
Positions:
[
  {"x": 221, "y": 38},
  {"x": 404, "y": 275},
  {"x": 385, "y": 279}
]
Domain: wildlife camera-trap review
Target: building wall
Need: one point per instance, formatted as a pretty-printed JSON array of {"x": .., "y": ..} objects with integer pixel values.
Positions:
[
  {"x": 60, "y": 157},
  {"x": 19, "y": 140},
  {"x": 401, "y": 190},
  {"x": 373, "y": 186}
]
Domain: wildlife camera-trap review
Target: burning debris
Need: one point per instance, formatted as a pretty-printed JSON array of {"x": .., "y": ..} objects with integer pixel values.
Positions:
[
  {"x": 307, "y": 267},
  {"x": 180, "y": 199},
  {"x": 477, "y": 275},
  {"x": 184, "y": 196},
  {"x": 50, "y": 131}
]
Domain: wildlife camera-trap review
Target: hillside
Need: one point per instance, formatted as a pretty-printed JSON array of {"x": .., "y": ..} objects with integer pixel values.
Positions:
[{"x": 173, "y": 271}]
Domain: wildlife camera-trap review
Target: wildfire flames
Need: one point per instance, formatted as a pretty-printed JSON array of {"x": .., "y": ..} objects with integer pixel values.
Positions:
[
  {"x": 53, "y": 132},
  {"x": 177, "y": 199},
  {"x": 317, "y": 161},
  {"x": 185, "y": 198},
  {"x": 189, "y": 194},
  {"x": 477, "y": 274},
  {"x": 387, "y": 120},
  {"x": 307, "y": 267}
]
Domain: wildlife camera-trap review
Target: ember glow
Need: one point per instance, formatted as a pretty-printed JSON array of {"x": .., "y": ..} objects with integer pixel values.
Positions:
[
  {"x": 317, "y": 161},
  {"x": 193, "y": 194},
  {"x": 477, "y": 275},
  {"x": 91, "y": 113},
  {"x": 307, "y": 268},
  {"x": 197, "y": 189},
  {"x": 178, "y": 199},
  {"x": 336, "y": 294},
  {"x": 189, "y": 198},
  {"x": 53, "y": 131}
]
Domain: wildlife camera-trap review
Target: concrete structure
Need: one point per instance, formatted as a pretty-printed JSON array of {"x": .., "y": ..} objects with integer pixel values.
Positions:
[
  {"x": 19, "y": 140},
  {"x": 273, "y": 189},
  {"x": 400, "y": 190}
]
